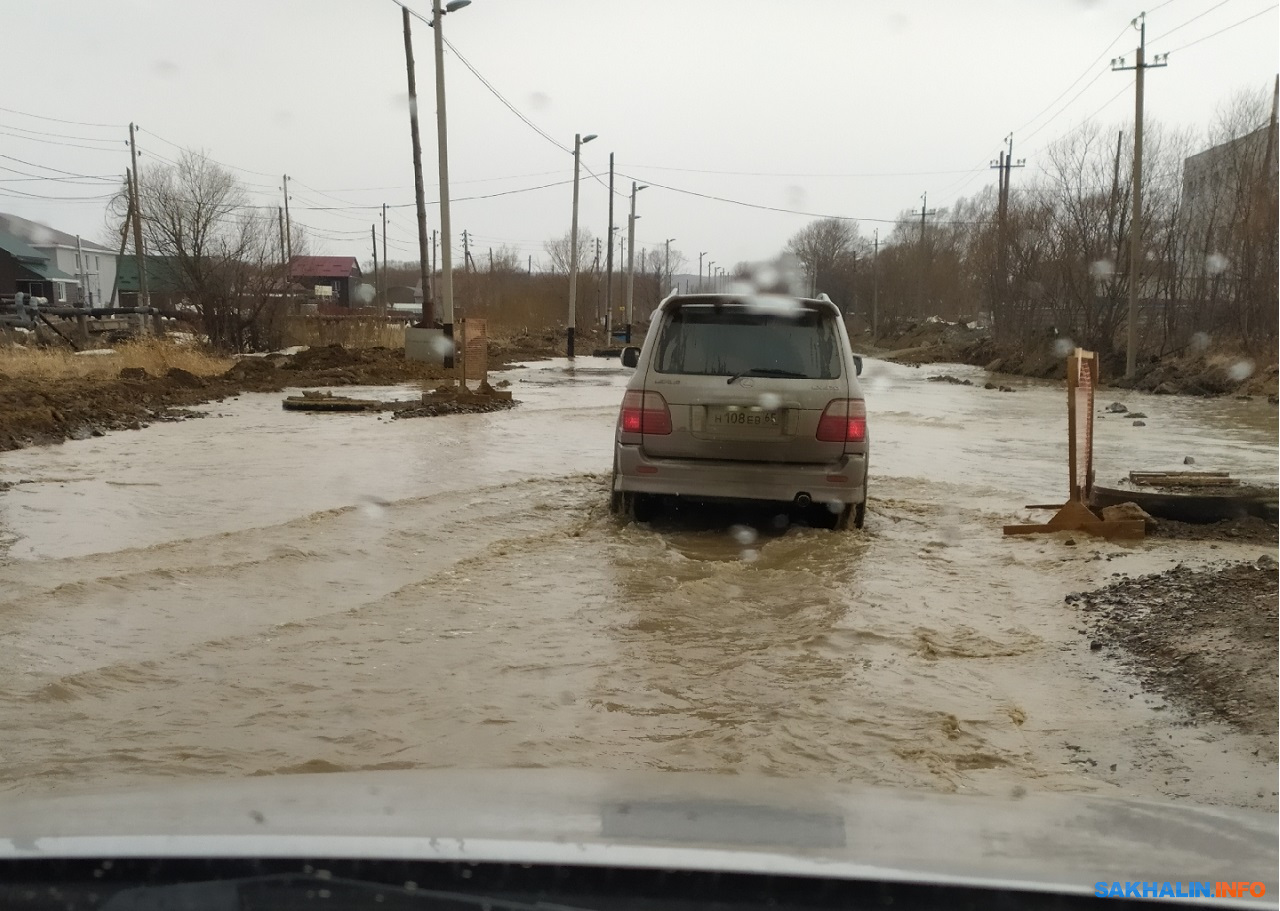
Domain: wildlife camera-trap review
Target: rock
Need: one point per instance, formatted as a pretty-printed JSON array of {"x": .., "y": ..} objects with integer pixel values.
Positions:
[
  {"x": 1272, "y": 399},
  {"x": 1117, "y": 407},
  {"x": 1095, "y": 646},
  {"x": 133, "y": 373},
  {"x": 1139, "y": 423},
  {"x": 1124, "y": 511},
  {"x": 1136, "y": 415},
  {"x": 1267, "y": 561},
  {"x": 989, "y": 386},
  {"x": 185, "y": 378},
  {"x": 1189, "y": 460},
  {"x": 1166, "y": 389}
]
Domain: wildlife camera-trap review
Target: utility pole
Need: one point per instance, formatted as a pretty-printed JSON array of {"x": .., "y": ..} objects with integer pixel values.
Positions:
[
  {"x": 466, "y": 251},
  {"x": 530, "y": 263},
  {"x": 144, "y": 290},
  {"x": 385, "y": 288},
  {"x": 875, "y": 287},
  {"x": 284, "y": 259},
  {"x": 491, "y": 260},
  {"x": 434, "y": 244},
  {"x": 1135, "y": 231},
  {"x": 428, "y": 302},
  {"x": 124, "y": 234},
  {"x": 1004, "y": 164},
  {"x": 373, "y": 237},
  {"x": 608, "y": 265},
  {"x": 925, "y": 211},
  {"x": 631, "y": 262},
  {"x": 666, "y": 264},
  {"x": 288, "y": 226}
]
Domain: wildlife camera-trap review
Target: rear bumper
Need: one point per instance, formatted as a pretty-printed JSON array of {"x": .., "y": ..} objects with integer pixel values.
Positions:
[{"x": 842, "y": 482}]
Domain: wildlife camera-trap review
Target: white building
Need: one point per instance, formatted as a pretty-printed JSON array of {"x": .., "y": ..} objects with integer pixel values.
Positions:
[{"x": 91, "y": 265}]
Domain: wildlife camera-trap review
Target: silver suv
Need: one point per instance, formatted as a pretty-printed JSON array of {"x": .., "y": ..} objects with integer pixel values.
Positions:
[{"x": 743, "y": 397}]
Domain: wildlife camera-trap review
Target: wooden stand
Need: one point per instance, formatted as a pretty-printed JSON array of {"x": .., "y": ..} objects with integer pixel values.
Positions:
[{"x": 1075, "y": 515}]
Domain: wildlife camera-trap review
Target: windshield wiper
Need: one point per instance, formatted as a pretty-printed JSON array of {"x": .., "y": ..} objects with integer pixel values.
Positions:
[{"x": 768, "y": 371}]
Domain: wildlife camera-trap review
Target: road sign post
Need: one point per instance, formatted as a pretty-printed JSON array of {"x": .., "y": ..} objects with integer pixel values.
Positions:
[{"x": 1075, "y": 514}]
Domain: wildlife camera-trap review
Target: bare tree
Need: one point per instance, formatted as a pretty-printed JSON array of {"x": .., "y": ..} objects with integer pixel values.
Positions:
[
  {"x": 828, "y": 249},
  {"x": 221, "y": 255},
  {"x": 559, "y": 249}
]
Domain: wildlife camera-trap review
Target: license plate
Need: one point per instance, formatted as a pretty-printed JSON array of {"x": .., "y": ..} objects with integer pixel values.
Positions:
[{"x": 743, "y": 418}]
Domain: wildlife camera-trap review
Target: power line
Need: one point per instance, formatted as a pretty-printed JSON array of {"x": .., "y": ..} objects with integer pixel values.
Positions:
[
  {"x": 808, "y": 175},
  {"x": 9, "y": 126},
  {"x": 1086, "y": 71},
  {"x": 766, "y": 208},
  {"x": 1227, "y": 29},
  {"x": 56, "y": 142},
  {"x": 1191, "y": 20},
  {"x": 77, "y": 123}
]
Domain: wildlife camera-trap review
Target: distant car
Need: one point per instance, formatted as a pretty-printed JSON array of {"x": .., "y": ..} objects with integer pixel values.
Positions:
[{"x": 743, "y": 397}]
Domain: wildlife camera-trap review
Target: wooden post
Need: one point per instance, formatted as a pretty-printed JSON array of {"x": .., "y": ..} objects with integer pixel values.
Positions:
[{"x": 1075, "y": 514}]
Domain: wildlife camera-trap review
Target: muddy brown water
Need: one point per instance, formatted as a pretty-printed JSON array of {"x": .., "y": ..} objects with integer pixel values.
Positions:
[{"x": 263, "y": 592}]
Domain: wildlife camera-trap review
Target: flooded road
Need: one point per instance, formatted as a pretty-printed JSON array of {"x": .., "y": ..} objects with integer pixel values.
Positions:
[{"x": 263, "y": 592}]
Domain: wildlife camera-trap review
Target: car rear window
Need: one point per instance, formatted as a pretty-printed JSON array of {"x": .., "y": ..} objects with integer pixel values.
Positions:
[{"x": 709, "y": 340}]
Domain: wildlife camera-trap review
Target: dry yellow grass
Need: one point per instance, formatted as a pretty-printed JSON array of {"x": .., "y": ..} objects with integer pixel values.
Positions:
[{"x": 155, "y": 355}]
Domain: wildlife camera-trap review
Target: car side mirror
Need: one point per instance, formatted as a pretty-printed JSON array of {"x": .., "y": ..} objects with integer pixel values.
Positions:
[
  {"x": 630, "y": 356},
  {"x": 857, "y": 364}
]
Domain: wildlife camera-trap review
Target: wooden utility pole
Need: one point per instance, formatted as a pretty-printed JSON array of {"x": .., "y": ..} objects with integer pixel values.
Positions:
[
  {"x": 288, "y": 229},
  {"x": 124, "y": 235},
  {"x": 875, "y": 287},
  {"x": 1136, "y": 227},
  {"x": 435, "y": 238},
  {"x": 385, "y": 288},
  {"x": 1004, "y": 164},
  {"x": 373, "y": 238},
  {"x": 466, "y": 251},
  {"x": 925, "y": 211},
  {"x": 144, "y": 290},
  {"x": 428, "y": 302}
]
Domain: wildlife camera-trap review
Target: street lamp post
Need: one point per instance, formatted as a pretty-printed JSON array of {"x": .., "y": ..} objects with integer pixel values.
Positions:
[
  {"x": 710, "y": 264},
  {"x": 631, "y": 256},
  {"x": 578, "y": 140},
  {"x": 700, "y": 255},
  {"x": 442, "y": 141}
]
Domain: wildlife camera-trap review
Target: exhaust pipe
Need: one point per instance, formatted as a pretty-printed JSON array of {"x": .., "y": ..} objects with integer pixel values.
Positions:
[{"x": 803, "y": 500}]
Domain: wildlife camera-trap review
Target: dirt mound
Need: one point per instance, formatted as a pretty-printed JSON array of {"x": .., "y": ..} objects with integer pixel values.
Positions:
[
  {"x": 41, "y": 411},
  {"x": 1205, "y": 638}
]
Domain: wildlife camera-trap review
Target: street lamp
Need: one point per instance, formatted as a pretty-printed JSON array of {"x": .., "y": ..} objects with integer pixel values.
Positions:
[
  {"x": 442, "y": 141},
  {"x": 700, "y": 255},
  {"x": 631, "y": 254},
  {"x": 578, "y": 140},
  {"x": 710, "y": 263}
]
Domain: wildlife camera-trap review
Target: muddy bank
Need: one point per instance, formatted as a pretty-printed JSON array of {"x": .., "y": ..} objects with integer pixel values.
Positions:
[
  {"x": 1203, "y": 638},
  {"x": 37, "y": 412},
  {"x": 1202, "y": 373}
]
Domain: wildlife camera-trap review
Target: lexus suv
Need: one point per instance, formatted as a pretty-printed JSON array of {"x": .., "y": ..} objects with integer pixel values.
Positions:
[{"x": 743, "y": 397}]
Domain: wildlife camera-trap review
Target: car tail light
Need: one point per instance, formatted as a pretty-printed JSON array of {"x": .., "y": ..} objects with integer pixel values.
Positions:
[
  {"x": 844, "y": 421},
  {"x": 645, "y": 412}
]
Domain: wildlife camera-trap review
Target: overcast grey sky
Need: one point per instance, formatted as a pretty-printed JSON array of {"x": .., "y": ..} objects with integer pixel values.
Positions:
[{"x": 839, "y": 107}]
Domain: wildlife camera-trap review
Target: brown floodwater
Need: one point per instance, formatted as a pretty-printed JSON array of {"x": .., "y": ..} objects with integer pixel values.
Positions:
[{"x": 265, "y": 592}]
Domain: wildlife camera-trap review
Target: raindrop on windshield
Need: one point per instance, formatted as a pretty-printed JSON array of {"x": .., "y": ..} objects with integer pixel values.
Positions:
[
  {"x": 743, "y": 534},
  {"x": 1216, "y": 264},
  {"x": 750, "y": 555},
  {"x": 1200, "y": 341},
  {"x": 1241, "y": 370},
  {"x": 770, "y": 401},
  {"x": 1102, "y": 269},
  {"x": 364, "y": 293},
  {"x": 442, "y": 346},
  {"x": 836, "y": 506},
  {"x": 1063, "y": 346}
]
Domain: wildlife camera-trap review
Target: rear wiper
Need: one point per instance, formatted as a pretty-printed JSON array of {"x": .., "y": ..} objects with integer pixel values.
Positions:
[{"x": 768, "y": 371}]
